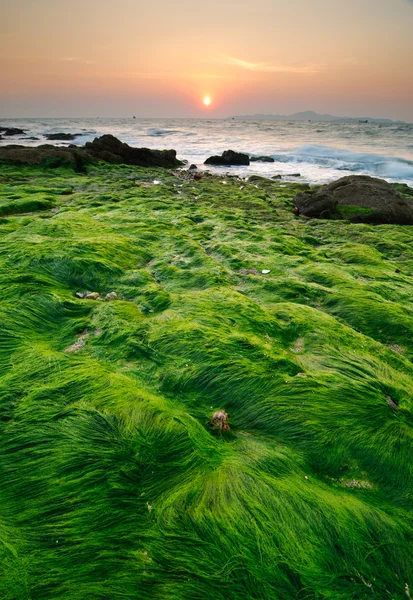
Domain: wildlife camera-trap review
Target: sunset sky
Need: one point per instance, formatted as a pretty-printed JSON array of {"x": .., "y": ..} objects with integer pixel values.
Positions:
[{"x": 161, "y": 58}]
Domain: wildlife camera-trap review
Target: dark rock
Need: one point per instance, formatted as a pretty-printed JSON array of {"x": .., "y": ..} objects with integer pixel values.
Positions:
[
  {"x": 30, "y": 138},
  {"x": 359, "y": 198},
  {"x": 267, "y": 159},
  {"x": 11, "y": 131},
  {"x": 192, "y": 168},
  {"x": 46, "y": 155},
  {"x": 61, "y": 136},
  {"x": 110, "y": 149},
  {"x": 228, "y": 158},
  {"x": 276, "y": 177},
  {"x": 320, "y": 204},
  {"x": 293, "y": 175},
  {"x": 106, "y": 148}
]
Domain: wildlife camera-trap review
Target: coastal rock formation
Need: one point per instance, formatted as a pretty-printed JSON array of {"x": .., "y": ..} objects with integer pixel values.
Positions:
[
  {"x": 9, "y": 131},
  {"x": 228, "y": 158},
  {"x": 47, "y": 155},
  {"x": 106, "y": 148},
  {"x": 320, "y": 204},
  {"x": 267, "y": 159},
  {"x": 112, "y": 150},
  {"x": 358, "y": 198},
  {"x": 61, "y": 136}
]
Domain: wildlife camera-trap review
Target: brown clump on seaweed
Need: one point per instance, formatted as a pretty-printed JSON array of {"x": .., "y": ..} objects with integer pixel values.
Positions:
[{"x": 220, "y": 420}]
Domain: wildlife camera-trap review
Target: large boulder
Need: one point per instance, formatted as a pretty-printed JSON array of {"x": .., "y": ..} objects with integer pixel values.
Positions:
[
  {"x": 110, "y": 149},
  {"x": 228, "y": 158},
  {"x": 359, "y": 198}
]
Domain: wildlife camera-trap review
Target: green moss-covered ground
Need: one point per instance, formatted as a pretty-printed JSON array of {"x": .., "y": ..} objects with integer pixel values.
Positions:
[{"x": 113, "y": 485}]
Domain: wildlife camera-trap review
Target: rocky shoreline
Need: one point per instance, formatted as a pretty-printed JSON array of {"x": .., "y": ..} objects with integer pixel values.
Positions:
[
  {"x": 357, "y": 198},
  {"x": 106, "y": 148}
]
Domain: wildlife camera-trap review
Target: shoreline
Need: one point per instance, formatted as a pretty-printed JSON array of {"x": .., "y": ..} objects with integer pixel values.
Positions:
[
  {"x": 357, "y": 198},
  {"x": 321, "y": 152}
]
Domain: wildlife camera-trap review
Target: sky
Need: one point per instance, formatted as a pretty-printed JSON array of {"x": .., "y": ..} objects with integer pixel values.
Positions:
[{"x": 160, "y": 58}]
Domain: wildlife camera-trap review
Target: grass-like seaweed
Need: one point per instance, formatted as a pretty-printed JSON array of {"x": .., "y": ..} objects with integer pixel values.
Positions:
[{"x": 113, "y": 482}]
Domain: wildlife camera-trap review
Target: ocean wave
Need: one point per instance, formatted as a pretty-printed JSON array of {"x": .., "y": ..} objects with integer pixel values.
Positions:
[
  {"x": 346, "y": 160},
  {"x": 153, "y": 132}
]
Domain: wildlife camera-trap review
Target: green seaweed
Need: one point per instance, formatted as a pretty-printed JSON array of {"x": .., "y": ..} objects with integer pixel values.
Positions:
[
  {"x": 356, "y": 212},
  {"x": 113, "y": 483}
]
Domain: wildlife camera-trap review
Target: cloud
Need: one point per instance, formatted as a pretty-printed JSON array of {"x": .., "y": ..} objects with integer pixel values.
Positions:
[
  {"x": 79, "y": 61},
  {"x": 265, "y": 67},
  {"x": 46, "y": 59},
  {"x": 207, "y": 76}
]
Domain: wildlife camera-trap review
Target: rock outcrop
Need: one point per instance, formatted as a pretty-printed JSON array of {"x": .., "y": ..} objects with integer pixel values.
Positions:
[
  {"x": 46, "y": 155},
  {"x": 358, "y": 198},
  {"x": 319, "y": 204},
  {"x": 106, "y": 148},
  {"x": 9, "y": 131},
  {"x": 61, "y": 136},
  {"x": 110, "y": 149},
  {"x": 267, "y": 159},
  {"x": 228, "y": 158}
]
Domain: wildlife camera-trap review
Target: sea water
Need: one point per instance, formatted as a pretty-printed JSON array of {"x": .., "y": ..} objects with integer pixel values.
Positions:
[{"x": 319, "y": 151}]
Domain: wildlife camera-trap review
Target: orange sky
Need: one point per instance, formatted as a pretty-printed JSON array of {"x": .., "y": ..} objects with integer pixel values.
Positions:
[{"x": 106, "y": 58}]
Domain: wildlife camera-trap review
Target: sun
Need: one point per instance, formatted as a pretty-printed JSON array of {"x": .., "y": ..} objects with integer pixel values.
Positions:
[{"x": 207, "y": 100}]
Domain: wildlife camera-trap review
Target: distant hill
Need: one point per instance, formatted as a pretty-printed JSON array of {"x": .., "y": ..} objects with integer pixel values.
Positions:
[{"x": 310, "y": 115}]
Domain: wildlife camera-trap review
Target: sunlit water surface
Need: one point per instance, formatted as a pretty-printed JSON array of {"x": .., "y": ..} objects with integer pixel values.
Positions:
[{"x": 319, "y": 152}]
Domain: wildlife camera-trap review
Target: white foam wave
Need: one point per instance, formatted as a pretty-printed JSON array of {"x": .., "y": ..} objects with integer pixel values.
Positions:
[{"x": 347, "y": 160}]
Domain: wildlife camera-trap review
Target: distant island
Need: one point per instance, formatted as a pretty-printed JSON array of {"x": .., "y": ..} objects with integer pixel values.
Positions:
[{"x": 310, "y": 115}]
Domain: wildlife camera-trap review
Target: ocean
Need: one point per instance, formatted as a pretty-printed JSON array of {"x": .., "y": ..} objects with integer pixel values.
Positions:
[{"x": 319, "y": 151}]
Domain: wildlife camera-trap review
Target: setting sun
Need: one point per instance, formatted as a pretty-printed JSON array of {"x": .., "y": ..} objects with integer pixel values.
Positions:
[{"x": 207, "y": 100}]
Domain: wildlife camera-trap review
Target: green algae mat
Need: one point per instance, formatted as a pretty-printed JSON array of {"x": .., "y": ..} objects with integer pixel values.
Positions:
[{"x": 114, "y": 483}]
